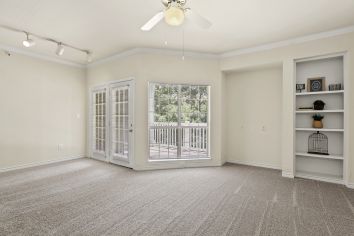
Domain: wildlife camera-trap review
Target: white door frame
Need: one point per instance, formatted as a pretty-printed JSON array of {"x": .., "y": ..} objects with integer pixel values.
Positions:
[
  {"x": 108, "y": 157},
  {"x": 117, "y": 160}
]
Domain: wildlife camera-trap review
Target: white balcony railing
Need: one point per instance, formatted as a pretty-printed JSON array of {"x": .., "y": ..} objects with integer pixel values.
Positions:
[{"x": 190, "y": 136}]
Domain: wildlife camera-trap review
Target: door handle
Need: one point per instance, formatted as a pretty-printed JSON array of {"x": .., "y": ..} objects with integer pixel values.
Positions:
[{"x": 131, "y": 130}]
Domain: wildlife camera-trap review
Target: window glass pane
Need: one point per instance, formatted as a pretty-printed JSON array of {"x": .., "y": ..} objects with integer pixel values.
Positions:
[
  {"x": 185, "y": 92},
  {"x": 203, "y": 92},
  {"x": 194, "y": 92},
  {"x": 178, "y": 119}
]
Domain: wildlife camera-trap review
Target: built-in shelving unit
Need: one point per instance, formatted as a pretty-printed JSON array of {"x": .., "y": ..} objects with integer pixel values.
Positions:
[
  {"x": 320, "y": 156},
  {"x": 323, "y": 111},
  {"x": 330, "y": 168},
  {"x": 319, "y": 93},
  {"x": 321, "y": 130}
]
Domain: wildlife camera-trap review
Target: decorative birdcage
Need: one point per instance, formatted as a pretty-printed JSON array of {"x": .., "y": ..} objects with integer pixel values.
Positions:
[{"x": 318, "y": 144}]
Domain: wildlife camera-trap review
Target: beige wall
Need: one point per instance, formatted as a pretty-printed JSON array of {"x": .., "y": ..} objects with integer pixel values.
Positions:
[
  {"x": 42, "y": 105},
  {"x": 52, "y": 96},
  {"x": 163, "y": 68},
  {"x": 170, "y": 69},
  {"x": 252, "y": 133},
  {"x": 287, "y": 55}
]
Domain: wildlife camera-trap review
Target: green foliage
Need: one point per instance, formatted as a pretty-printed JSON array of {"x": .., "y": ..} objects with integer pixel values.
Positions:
[
  {"x": 318, "y": 117},
  {"x": 193, "y": 103}
]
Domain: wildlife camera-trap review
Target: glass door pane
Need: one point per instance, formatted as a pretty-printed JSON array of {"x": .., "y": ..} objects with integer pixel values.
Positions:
[
  {"x": 99, "y": 123},
  {"x": 121, "y": 122}
]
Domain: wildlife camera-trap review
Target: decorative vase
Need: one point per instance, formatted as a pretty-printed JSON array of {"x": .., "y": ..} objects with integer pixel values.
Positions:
[{"x": 317, "y": 124}]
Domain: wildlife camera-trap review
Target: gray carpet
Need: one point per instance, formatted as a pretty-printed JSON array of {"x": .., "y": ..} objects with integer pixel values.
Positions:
[{"x": 87, "y": 197}]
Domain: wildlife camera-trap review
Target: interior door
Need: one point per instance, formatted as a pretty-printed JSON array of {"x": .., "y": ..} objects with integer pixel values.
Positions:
[{"x": 121, "y": 123}]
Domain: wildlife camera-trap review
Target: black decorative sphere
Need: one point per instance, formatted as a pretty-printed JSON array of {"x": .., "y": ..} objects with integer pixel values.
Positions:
[{"x": 318, "y": 105}]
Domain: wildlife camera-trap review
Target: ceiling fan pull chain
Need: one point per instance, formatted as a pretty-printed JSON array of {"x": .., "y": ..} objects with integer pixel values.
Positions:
[{"x": 183, "y": 44}]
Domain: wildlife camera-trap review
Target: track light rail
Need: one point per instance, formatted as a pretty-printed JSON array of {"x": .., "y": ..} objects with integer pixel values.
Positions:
[{"x": 59, "y": 43}]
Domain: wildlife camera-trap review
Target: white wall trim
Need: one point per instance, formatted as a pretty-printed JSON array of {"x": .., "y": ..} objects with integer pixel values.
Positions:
[
  {"x": 288, "y": 42},
  {"x": 176, "y": 164},
  {"x": 117, "y": 56},
  {"x": 35, "y": 164},
  {"x": 287, "y": 174},
  {"x": 350, "y": 185},
  {"x": 19, "y": 51},
  {"x": 318, "y": 178},
  {"x": 156, "y": 51},
  {"x": 170, "y": 52},
  {"x": 257, "y": 164},
  {"x": 191, "y": 54},
  {"x": 216, "y": 56}
]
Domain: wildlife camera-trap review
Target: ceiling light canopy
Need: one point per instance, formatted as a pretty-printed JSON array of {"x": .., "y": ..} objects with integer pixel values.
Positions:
[
  {"x": 28, "y": 42},
  {"x": 174, "y": 15},
  {"x": 175, "y": 11}
]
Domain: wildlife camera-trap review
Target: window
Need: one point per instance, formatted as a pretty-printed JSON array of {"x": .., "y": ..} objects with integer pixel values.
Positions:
[{"x": 178, "y": 121}]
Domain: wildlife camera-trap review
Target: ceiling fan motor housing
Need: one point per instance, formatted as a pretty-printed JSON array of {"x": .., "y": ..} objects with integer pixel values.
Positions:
[{"x": 179, "y": 3}]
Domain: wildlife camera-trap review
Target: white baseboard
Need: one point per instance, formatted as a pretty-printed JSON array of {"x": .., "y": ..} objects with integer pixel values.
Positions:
[
  {"x": 177, "y": 164},
  {"x": 34, "y": 164},
  {"x": 250, "y": 163},
  {"x": 350, "y": 185},
  {"x": 287, "y": 174}
]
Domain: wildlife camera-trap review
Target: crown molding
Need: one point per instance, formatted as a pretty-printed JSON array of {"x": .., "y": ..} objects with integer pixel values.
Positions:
[
  {"x": 288, "y": 42},
  {"x": 114, "y": 57},
  {"x": 170, "y": 52},
  {"x": 156, "y": 51},
  {"x": 15, "y": 50},
  {"x": 190, "y": 54},
  {"x": 234, "y": 53}
]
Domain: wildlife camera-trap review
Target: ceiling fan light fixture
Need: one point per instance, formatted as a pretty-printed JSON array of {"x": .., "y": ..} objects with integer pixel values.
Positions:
[{"x": 174, "y": 15}]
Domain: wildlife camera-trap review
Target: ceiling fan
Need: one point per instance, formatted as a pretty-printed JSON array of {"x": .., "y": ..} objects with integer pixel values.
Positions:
[{"x": 174, "y": 13}]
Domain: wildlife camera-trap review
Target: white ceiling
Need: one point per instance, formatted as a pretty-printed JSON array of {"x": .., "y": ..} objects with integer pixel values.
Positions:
[{"x": 108, "y": 27}]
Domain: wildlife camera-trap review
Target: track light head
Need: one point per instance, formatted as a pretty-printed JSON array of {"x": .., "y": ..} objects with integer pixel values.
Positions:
[
  {"x": 89, "y": 56},
  {"x": 7, "y": 53},
  {"x": 28, "y": 42},
  {"x": 60, "y": 49}
]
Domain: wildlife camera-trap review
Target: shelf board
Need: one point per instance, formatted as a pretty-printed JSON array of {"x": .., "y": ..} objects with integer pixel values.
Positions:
[
  {"x": 320, "y": 177},
  {"x": 320, "y": 93},
  {"x": 318, "y": 111},
  {"x": 321, "y": 130},
  {"x": 333, "y": 157}
]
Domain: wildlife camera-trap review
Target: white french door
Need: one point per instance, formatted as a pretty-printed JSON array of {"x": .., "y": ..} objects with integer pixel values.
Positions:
[
  {"x": 112, "y": 108},
  {"x": 99, "y": 123},
  {"x": 121, "y": 122}
]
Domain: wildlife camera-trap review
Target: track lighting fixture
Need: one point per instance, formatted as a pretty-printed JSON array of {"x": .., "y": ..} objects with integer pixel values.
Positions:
[
  {"x": 89, "y": 56},
  {"x": 60, "y": 49},
  {"x": 7, "y": 53},
  {"x": 28, "y": 42}
]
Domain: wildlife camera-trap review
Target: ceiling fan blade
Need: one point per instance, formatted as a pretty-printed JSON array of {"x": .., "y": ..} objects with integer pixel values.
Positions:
[
  {"x": 198, "y": 19},
  {"x": 153, "y": 22}
]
